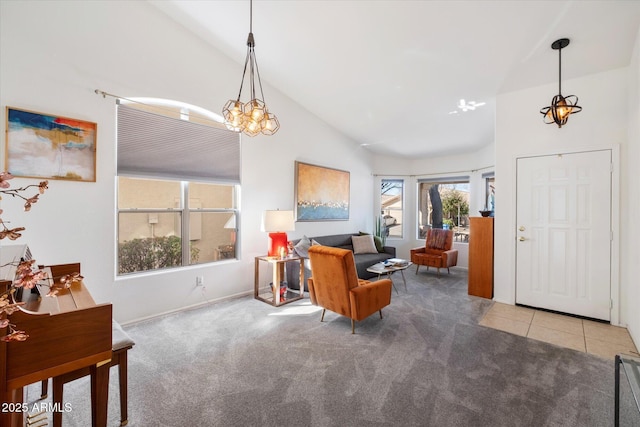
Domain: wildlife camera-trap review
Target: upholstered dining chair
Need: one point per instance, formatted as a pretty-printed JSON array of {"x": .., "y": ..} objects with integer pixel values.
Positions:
[
  {"x": 334, "y": 285},
  {"x": 437, "y": 251}
]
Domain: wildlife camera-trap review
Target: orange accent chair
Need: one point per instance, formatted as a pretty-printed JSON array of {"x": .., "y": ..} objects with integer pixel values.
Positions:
[
  {"x": 334, "y": 285},
  {"x": 437, "y": 251}
]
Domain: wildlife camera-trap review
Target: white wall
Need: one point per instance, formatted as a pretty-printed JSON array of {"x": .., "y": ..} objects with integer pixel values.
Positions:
[
  {"x": 603, "y": 123},
  {"x": 53, "y": 56},
  {"x": 630, "y": 251}
]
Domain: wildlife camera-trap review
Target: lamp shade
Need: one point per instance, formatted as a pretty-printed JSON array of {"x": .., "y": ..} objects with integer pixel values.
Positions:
[
  {"x": 231, "y": 222},
  {"x": 278, "y": 221}
]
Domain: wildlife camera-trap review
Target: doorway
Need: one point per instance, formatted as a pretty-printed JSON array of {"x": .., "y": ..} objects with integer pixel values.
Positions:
[{"x": 563, "y": 236}]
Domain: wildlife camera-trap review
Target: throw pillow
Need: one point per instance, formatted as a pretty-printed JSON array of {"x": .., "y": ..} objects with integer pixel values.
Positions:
[
  {"x": 302, "y": 247},
  {"x": 363, "y": 244},
  {"x": 376, "y": 239},
  {"x": 378, "y": 242},
  {"x": 314, "y": 242}
]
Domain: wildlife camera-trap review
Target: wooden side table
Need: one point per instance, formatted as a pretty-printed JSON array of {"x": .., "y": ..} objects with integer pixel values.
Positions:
[
  {"x": 278, "y": 265},
  {"x": 480, "y": 277}
]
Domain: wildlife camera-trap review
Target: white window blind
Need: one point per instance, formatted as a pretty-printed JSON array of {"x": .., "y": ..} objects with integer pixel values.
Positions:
[
  {"x": 446, "y": 179},
  {"x": 154, "y": 145}
]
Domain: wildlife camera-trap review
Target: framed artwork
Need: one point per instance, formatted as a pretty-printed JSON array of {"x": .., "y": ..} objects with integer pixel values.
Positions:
[
  {"x": 321, "y": 194},
  {"x": 51, "y": 147}
]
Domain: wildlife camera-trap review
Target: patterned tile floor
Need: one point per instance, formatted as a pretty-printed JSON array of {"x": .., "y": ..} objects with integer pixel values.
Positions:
[{"x": 599, "y": 339}]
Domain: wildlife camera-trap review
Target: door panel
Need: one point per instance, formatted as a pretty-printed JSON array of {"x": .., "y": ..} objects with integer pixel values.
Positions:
[{"x": 563, "y": 243}]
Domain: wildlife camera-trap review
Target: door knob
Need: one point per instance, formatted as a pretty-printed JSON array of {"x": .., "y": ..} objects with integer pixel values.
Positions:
[
  {"x": 522, "y": 239},
  {"x": 521, "y": 228}
]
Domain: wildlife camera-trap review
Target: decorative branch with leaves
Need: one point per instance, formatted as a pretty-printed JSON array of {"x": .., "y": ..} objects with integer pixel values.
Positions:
[
  {"x": 5, "y": 189},
  {"x": 27, "y": 275}
]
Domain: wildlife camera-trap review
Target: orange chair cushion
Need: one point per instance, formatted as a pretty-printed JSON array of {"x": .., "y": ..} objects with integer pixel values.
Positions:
[
  {"x": 334, "y": 284},
  {"x": 430, "y": 255}
]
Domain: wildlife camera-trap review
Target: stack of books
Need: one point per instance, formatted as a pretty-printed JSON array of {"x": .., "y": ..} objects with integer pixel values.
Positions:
[{"x": 396, "y": 262}]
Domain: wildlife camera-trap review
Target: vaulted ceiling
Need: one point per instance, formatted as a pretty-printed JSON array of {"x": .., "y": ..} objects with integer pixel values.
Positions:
[{"x": 389, "y": 73}]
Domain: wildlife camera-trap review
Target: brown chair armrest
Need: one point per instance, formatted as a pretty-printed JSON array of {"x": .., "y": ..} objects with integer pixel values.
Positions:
[
  {"x": 450, "y": 257},
  {"x": 369, "y": 298},
  {"x": 415, "y": 252}
]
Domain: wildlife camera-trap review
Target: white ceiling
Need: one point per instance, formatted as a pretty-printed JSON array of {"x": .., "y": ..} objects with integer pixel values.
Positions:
[{"x": 387, "y": 73}]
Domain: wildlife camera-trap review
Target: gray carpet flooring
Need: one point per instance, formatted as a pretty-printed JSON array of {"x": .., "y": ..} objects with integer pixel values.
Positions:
[{"x": 426, "y": 363}]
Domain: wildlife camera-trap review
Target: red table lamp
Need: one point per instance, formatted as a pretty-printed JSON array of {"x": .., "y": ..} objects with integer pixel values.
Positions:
[{"x": 277, "y": 223}]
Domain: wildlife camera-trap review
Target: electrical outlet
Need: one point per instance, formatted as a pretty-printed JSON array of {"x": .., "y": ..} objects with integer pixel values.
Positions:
[{"x": 199, "y": 281}]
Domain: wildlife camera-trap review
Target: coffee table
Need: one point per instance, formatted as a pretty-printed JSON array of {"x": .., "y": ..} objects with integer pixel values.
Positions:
[{"x": 388, "y": 269}]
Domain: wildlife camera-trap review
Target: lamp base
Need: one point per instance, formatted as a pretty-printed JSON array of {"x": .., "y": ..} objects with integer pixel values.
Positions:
[{"x": 277, "y": 240}]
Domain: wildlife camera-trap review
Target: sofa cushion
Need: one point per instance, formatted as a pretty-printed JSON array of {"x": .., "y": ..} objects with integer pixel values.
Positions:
[
  {"x": 335, "y": 240},
  {"x": 363, "y": 261},
  {"x": 364, "y": 245},
  {"x": 302, "y": 247},
  {"x": 377, "y": 240}
]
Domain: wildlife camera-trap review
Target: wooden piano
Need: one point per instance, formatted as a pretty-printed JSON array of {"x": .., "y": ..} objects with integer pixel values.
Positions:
[{"x": 66, "y": 333}]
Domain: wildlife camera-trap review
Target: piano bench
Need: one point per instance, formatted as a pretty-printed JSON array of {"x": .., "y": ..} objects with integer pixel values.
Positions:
[{"x": 121, "y": 343}]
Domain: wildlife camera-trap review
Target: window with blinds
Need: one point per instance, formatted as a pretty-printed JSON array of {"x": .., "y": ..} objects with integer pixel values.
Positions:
[
  {"x": 151, "y": 144},
  {"x": 177, "y": 190}
]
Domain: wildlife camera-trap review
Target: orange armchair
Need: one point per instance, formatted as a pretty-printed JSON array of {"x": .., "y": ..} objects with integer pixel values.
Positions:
[
  {"x": 334, "y": 285},
  {"x": 437, "y": 251}
]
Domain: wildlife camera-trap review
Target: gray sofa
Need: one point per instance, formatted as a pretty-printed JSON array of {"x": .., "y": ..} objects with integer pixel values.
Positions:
[{"x": 363, "y": 261}]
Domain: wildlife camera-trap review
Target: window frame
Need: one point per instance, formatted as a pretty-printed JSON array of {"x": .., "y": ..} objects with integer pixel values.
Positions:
[
  {"x": 402, "y": 210},
  {"x": 444, "y": 179},
  {"x": 184, "y": 215},
  {"x": 199, "y": 117},
  {"x": 489, "y": 178}
]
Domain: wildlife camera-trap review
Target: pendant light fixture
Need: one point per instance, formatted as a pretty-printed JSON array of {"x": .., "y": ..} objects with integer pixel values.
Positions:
[
  {"x": 253, "y": 117},
  {"x": 561, "y": 107}
]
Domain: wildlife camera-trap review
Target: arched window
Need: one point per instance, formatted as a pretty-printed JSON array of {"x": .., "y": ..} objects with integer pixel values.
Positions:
[{"x": 178, "y": 185}]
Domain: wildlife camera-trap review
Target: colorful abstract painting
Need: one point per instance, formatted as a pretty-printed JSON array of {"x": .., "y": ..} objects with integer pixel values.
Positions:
[
  {"x": 322, "y": 194},
  {"x": 52, "y": 147}
]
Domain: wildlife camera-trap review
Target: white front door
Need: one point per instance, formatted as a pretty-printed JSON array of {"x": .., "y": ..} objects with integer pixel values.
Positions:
[{"x": 563, "y": 237}]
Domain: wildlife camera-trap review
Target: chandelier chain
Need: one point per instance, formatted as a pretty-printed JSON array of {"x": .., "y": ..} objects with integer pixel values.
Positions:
[{"x": 560, "y": 71}]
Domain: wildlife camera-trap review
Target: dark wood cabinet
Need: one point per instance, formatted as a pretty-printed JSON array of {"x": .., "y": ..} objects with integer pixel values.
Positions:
[{"x": 481, "y": 257}]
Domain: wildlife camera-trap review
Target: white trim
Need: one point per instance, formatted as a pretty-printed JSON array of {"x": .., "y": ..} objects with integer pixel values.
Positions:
[
  {"x": 189, "y": 307},
  {"x": 174, "y": 104},
  {"x": 615, "y": 229}
]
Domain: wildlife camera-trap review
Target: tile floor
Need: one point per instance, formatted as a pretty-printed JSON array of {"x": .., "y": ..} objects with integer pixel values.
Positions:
[{"x": 599, "y": 339}]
